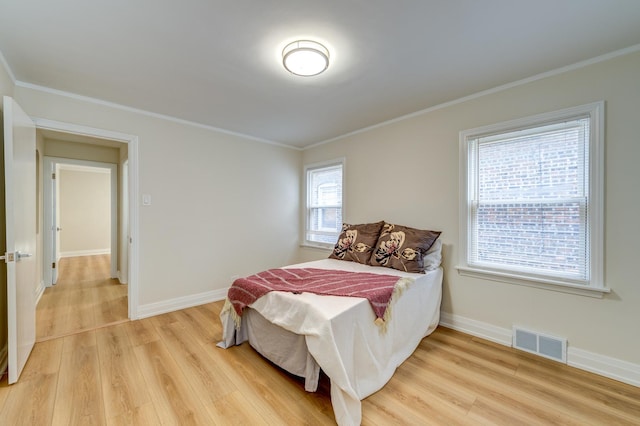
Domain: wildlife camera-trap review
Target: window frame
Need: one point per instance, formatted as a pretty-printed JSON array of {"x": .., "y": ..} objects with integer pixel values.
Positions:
[
  {"x": 307, "y": 198},
  {"x": 595, "y": 221}
]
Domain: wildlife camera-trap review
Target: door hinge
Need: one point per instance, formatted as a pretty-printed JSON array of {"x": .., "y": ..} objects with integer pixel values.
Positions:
[
  {"x": 8, "y": 257},
  {"x": 53, "y": 175},
  {"x": 53, "y": 265}
]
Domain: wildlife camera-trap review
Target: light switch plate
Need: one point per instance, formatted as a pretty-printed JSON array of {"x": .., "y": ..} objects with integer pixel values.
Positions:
[{"x": 146, "y": 199}]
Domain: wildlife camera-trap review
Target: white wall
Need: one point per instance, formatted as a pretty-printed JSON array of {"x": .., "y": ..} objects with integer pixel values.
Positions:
[
  {"x": 407, "y": 172},
  {"x": 222, "y": 205},
  {"x": 85, "y": 212}
]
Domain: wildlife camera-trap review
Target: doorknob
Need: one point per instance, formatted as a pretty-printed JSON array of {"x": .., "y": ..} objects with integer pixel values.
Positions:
[
  {"x": 58, "y": 229},
  {"x": 21, "y": 255}
]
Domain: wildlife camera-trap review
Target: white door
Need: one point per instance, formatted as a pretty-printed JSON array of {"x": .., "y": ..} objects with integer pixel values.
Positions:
[
  {"x": 55, "y": 256},
  {"x": 51, "y": 225},
  {"x": 20, "y": 197}
]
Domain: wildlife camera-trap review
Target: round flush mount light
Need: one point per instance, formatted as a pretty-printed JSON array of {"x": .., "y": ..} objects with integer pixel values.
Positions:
[{"x": 305, "y": 58}]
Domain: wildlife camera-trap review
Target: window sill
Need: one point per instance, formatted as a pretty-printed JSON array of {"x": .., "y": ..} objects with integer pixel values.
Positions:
[
  {"x": 597, "y": 292},
  {"x": 316, "y": 246}
]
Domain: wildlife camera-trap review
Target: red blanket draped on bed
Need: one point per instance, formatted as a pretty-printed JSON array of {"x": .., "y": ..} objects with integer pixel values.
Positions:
[{"x": 378, "y": 289}]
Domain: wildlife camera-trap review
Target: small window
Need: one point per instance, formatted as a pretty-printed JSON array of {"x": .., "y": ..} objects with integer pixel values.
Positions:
[
  {"x": 532, "y": 199},
  {"x": 324, "y": 203}
]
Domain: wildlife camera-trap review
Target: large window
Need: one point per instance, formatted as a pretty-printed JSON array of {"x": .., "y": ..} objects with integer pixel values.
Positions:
[
  {"x": 532, "y": 203},
  {"x": 324, "y": 203}
]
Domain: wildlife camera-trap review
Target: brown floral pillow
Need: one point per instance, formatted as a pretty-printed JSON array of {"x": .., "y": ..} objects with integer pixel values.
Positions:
[
  {"x": 356, "y": 242},
  {"x": 402, "y": 248}
]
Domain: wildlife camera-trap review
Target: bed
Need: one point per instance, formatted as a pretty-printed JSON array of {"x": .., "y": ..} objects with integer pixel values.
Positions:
[{"x": 303, "y": 333}]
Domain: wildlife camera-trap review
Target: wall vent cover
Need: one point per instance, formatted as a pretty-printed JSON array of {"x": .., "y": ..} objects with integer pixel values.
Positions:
[{"x": 551, "y": 347}]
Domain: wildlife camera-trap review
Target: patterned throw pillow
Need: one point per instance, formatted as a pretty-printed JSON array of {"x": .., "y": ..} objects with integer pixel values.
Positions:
[
  {"x": 402, "y": 248},
  {"x": 356, "y": 242}
]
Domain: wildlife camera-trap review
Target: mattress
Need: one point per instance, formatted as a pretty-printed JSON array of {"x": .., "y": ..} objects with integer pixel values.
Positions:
[{"x": 338, "y": 334}]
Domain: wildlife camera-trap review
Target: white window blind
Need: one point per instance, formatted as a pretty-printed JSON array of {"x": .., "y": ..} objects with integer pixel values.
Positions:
[
  {"x": 529, "y": 200},
  {"x": 531, "y": 190},
  {"x": 324, "y": 204}
]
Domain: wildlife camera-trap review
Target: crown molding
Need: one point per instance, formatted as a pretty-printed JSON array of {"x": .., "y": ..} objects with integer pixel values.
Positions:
[
  {"x": 121, "y": 107},
  {"x": 562, "y": 70}
]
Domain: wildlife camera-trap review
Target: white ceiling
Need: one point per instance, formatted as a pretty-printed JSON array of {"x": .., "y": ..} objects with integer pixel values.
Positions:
[{"x": 218, "y": 63}]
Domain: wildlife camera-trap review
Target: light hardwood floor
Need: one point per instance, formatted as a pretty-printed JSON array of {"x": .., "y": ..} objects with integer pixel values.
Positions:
[
  {"x": 85, "y": 297},
  {"x": 167, "y": 370}
]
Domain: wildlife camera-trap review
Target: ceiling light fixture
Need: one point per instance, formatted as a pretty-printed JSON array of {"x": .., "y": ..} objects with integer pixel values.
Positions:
[{"x": 305, "y": 58}]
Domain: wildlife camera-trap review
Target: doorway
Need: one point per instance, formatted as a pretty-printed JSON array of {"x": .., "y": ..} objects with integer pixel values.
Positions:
[
  {"x": 81, "y": 207},
  {"x": 81, "y": 222},
  {"x": 78, "y": 141}
]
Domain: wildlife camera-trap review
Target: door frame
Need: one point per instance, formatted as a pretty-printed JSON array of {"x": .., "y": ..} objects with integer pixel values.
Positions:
[
  {"x": 52, "y": 165},
  {"x": 133, "y": 190},
  {"x": 124, "y": 225}
]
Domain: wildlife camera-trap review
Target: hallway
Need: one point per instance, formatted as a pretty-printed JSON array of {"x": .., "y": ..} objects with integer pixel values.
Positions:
[{"x": 84, "y": 298}]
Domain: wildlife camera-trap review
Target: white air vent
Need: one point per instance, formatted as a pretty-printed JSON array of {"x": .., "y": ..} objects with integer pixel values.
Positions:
[{"x": 551, "y": 347}]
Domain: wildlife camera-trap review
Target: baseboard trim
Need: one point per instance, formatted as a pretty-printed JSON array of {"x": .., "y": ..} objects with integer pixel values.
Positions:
[
  {"x": 476, "y": 328},
  {"x": 613, "y": 368},
  {"x": 40, "y": 291},
  {"x": 603, "y": 365},
  {"x": 157, "y": 308},
  {"x": 76, "y": 253},
  {"x": 121, "y": 279}
]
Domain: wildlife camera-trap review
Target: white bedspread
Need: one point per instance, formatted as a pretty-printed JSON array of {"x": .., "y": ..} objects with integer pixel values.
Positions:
[{"x": 341, "y": 335}]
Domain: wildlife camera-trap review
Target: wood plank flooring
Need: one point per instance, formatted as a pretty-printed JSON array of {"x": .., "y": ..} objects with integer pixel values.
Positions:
[
  {"x": 84, "y": 298},
  {"x": 167, "y": 370}
]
